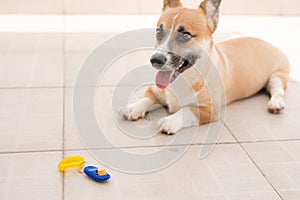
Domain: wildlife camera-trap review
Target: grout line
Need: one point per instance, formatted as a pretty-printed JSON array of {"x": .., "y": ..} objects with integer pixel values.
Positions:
[
  {"x": 230, "y": 131},
  {"x": 256, "y": 141},
  {"x": 61, "y": 87},
  {"x": 255, "y": 164},
  {"x": 31, "y": 151},
  {"x": 266, "y": 141},
  {"x": 281, "y": 9},
  {"x": 64, "y": 101},
  {"x": 174, "y": 145},
  {"x": 64, "y": 10},
  {"x": 217, "y": 180},
  {"x": 292, "y": 81},
  {"x": 121, "y": 147},
  {"x": 149, "y": 146}
]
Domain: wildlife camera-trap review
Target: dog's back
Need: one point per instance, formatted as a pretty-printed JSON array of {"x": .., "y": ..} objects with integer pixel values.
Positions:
[{"x": 250, "y": 63}]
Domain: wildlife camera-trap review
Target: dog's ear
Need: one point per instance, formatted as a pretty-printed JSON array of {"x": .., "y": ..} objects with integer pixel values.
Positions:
[
  {"x": 171, "y": 4},
  {"x": 211, "y": 9}
]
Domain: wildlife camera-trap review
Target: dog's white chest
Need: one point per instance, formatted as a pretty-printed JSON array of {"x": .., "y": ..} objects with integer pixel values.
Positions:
[{"x": 179, "y": 94}]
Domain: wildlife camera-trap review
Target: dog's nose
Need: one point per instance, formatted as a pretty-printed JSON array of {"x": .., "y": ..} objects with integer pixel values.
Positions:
[{"x": 158, "y": 60}]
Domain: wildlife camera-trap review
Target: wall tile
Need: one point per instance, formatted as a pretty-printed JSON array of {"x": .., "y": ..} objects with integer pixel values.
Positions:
[{"x": 32, "y": 6}]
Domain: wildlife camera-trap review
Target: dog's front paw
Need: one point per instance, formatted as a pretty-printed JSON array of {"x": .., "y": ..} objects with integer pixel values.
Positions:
[
  {"x": 170, "y": 124},
  {"x": 132, "y": 112},
  {"x": 276, "y": 104},
  {"x": 181, "y": 119}
]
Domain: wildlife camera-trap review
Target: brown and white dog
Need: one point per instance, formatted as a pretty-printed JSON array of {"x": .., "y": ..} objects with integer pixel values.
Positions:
[{"x": 244, "y": 65}]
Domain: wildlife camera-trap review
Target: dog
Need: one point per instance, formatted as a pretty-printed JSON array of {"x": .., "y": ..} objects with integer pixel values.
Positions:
[{"x": 245, "y": 66}]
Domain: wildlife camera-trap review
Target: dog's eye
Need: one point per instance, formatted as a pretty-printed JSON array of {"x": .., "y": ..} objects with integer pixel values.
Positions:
[
  {"x": 159, "y": 34},
  {"x": 187, "y": 36},
  {"x": 184, "y": 37}
]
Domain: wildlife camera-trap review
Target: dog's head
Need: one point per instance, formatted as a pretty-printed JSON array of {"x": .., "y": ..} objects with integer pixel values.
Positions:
[{"x": 182, "y": 35}]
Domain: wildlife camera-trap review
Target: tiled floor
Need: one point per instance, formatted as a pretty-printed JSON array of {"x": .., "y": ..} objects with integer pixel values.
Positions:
[{"x": 256, "y": 157}]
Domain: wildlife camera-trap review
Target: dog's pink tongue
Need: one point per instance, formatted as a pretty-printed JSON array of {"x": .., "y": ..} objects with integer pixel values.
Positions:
[{"x": 163, "y": 78}]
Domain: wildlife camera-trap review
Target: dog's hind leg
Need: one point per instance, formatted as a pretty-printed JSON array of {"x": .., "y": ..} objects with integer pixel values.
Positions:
[{"x": 276, "y": 86}]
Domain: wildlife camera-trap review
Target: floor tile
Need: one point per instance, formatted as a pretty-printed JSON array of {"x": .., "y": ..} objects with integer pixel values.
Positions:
[
  {"x": 31, "y": 119},
  {"x": 132, "y": 69},
  {"x": 73, "y": 63},
  {"x": 249, "y": 119},
  {"x": 226, "y": 173},
  {"x": 121, "y": 69},
  {"x": 31, "y": 60},
  {"x": 40, "y": 42},
  {"x": 127, "y": 134},
  {"x": 31, "y": 69},
  {"x": 129, "y": 69},
  {"x": 86, "y": 41},
  {"x": 280, "y": 162},
  {"x": 80, "y": 47},
  {"x": 30, "y": 176}
]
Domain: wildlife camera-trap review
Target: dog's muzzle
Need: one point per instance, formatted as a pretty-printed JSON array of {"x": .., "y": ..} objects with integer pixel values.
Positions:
[{"x": 158, "y": 60}]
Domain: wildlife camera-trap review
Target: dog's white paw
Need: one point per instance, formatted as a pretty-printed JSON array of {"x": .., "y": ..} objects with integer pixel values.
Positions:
[
  {"x": 132, "y": 112},
  {"x": 181, "y": 119},
  {"x": 276, "y": 104},
  {"x": 170, "y": 124}
]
